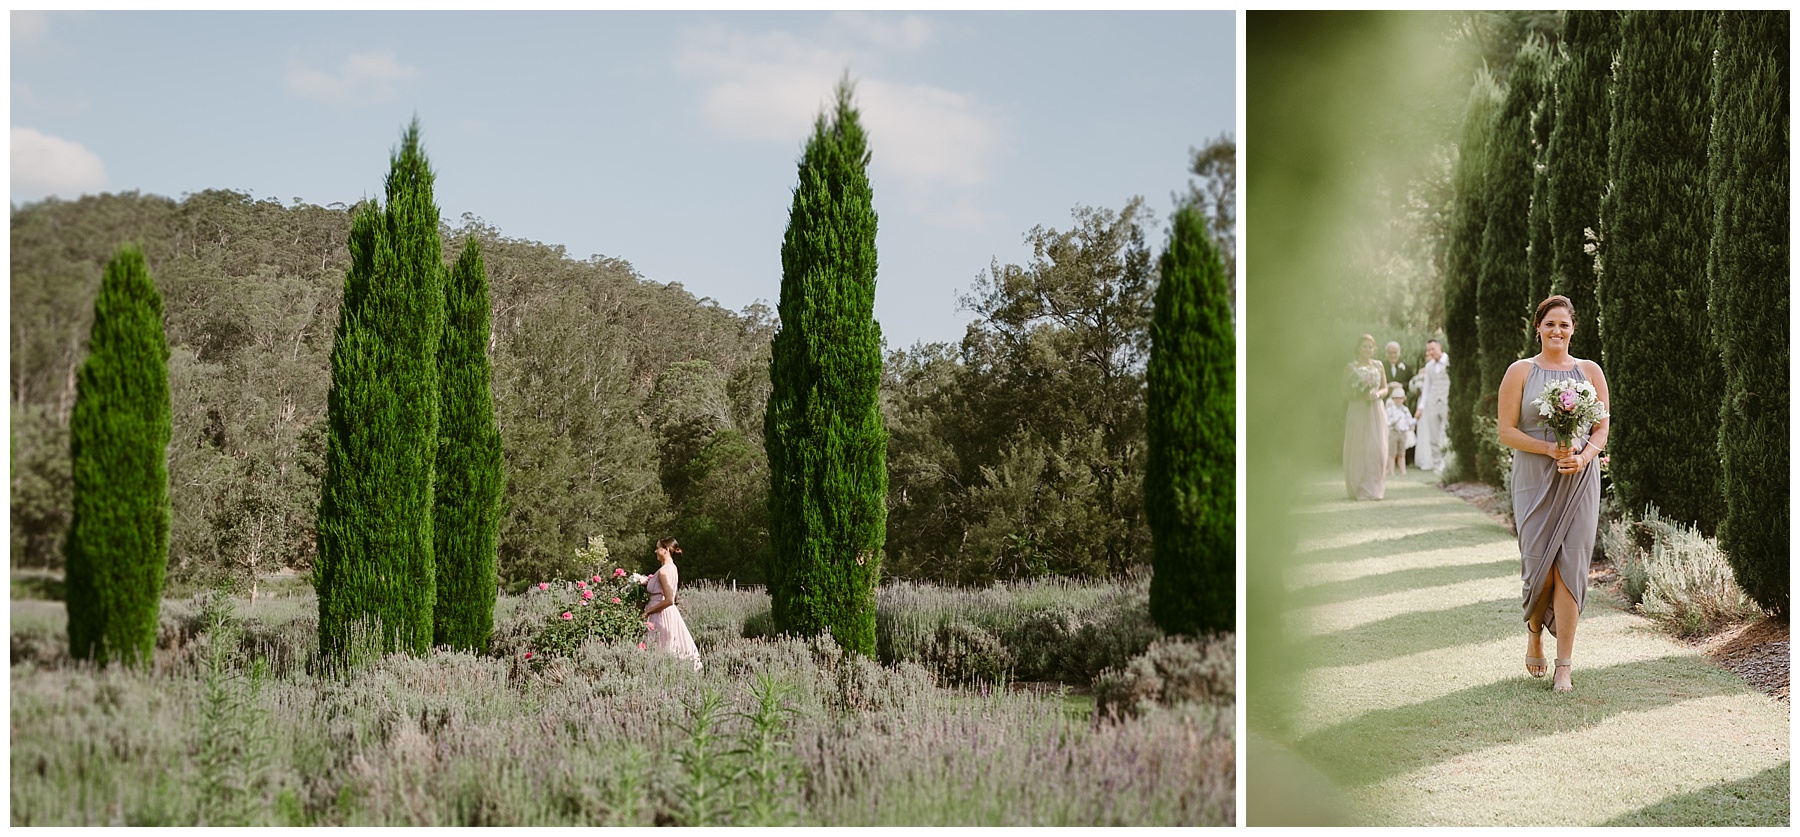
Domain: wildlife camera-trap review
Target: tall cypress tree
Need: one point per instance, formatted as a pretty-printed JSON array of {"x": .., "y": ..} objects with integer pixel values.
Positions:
[
  {"x": 376, "y": 513},
  {"x": 1658, "y": 348},
  {"x": 1190, "y": 486},
  {"x": 1462, "y": 268},
  {"x": 1502, "y": 306},
  {"x": 117, "y": 550},
  {"x": 469, "y": 479},
  {"x": 1748, "y": 267},
  {"x": 822, "y": 429},
  {"x": 1576, "y": 164},
  {"x": 1539, "y": 260}
]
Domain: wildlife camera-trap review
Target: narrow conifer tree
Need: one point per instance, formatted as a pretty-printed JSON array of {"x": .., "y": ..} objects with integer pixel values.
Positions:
[
  {"x": 823, "y": 429},
  {"x": 117, "y": 550},
  {"x": 1502, "y": 306},
  {"x": 1462, "y": 268},
  {"x": 1538, "y": 263},
  {"x": 375, "y": 539},
  {"x": 1748, "y": 267},
  {"x": 1576, "y": 163},
  {"x": 1190, "y": 485},
  {"x": 1659, "y": 354},
  {"x": 469, "y": 479}
]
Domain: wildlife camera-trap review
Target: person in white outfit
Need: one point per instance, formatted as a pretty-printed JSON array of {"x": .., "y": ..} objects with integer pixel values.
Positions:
[
  {"x": 1433, "y": 414},
  {"x": 1400, "y": 428}
]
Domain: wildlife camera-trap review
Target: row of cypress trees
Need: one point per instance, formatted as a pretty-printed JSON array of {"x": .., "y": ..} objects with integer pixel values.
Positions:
[
  {"x": 1641, "y": 170},
  {"x": 410, "y": 502},
  {"x": 827, "y": 445},
  {"x": 410, "y": 505}
]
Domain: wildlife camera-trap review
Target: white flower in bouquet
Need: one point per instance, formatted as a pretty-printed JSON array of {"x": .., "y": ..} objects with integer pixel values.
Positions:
[{"x": 1570, "y": 408}]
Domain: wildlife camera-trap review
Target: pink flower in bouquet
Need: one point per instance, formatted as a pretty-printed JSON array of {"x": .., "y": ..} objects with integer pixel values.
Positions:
[
  {"x": 618, "y": 571},
  {"x": 587, "y": 594},
  {"x": 1567, "y": 399},
  {"x": 543, "y": 586},
  {"x": 615, "y": 600},
  {"x": 567, "y": 616}
]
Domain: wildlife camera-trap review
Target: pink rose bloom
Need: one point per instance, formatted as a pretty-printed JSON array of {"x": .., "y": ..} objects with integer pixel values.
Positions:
[
  {"x": 649, "y": 626},
  {"x": 615, "y": 600},
  {"x": 581, "y": 585},
  {"x": 567, "y": 615},
  {"x": 528, "y": 655},
  {"x": 587, "y": 594},
  {"x": 640, "y": 646},
  {"x": 543, "y": 586},
  {"x": 618, "y": 571},
  {"x": 1568, "y": 399}
]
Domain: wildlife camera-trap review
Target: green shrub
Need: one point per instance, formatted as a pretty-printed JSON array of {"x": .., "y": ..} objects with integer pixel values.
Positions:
[
  {"x": 1173, "y": 670},
  {"x": 1675, "y": 575},
  {"x": 966, "y": 654}
]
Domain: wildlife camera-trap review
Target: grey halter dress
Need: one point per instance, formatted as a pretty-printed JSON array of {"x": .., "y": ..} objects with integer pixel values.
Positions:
[{"x": 1557, "y": 514}]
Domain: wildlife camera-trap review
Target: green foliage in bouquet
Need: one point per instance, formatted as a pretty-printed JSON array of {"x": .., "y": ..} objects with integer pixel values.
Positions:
[
  {"x": 1462, "y": 268},
  {"x": 1190, "y": 485},
  {"x": 376, "y": 513},
  {"x": 117, "y": 550},
  {"x": 469, "y": 479},
  {"x": 823, "y": 427},
  {"x": 1748, "y": 267},
  {"x": 1502, "y": 303},
  {"x": 1575, "y": 162},
  {"x": 1660, "y": 357}
]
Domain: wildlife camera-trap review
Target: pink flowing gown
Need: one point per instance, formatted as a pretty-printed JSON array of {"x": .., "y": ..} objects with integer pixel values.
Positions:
[{"x": 669, "y": 630}]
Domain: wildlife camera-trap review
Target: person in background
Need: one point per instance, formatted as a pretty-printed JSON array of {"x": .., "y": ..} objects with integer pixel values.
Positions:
[
  {"x": 1400, "y": 428},
  {"x": 1433, "y": 413}
]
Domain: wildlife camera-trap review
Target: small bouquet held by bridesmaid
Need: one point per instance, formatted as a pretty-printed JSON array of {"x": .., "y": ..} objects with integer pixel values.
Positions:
[
  {"x": 1570, "y": 408},
  {"x": 1362, "y": 382}
]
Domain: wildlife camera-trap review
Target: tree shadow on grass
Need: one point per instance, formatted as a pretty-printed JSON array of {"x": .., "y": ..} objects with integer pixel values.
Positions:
[
  {"x": 1401, "y": 580},
  {"x": 1759, "y": 800},
  {"x": 1379, "y": 745},
  {"x": 1483, "y": 534},
  {"x": 1414, "y": 632}
]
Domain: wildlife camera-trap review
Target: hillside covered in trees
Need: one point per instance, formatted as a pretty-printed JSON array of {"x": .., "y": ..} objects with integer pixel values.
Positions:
[{"x": 627, "y": 408}]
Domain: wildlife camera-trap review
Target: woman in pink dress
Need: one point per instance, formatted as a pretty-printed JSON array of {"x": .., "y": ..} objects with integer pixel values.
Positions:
[{"x": 662, "y": 614}]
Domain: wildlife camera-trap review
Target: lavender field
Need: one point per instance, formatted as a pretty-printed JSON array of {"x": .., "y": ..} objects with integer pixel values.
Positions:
[{"x": 1040, "y": 704}]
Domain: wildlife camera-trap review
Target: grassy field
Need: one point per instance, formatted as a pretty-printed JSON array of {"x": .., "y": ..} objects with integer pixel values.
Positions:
[
  {"x": 1415, "y": 703},
  {"x": 232, "y": 727}
]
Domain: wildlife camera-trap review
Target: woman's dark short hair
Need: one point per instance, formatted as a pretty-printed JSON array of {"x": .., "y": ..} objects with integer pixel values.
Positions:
[{"x": 1553, "y": 301}]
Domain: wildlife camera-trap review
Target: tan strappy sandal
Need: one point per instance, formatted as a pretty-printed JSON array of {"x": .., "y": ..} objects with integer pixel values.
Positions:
[
  {"x": 1563, "y": 662},
  {"x": 1535, "y": 661}
]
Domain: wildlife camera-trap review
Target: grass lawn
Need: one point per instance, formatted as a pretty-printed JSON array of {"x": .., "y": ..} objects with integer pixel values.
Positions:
[{"x": 1415, "y": 703}]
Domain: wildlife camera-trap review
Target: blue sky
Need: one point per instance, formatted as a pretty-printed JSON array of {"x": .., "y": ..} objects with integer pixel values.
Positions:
[{"x": 666, "y": 139}]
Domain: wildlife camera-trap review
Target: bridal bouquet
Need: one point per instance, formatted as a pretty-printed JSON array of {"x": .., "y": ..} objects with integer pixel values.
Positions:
[
  {"x": 1570, "y": 408},
  {"x": 1362, "y": 380}
]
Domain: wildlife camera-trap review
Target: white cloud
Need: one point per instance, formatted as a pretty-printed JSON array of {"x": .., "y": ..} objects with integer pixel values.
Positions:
[
  {"x": 363, "y": 77},
  {"x": 910, "y": 32},
  {"x": 44, "y": 165},
  {"x": 771, "y": 86},
  {"x": 29, "y": 26}
]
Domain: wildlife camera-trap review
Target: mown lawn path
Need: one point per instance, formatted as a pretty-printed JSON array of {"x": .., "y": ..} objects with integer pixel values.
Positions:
[{"x": 1416, "y": 703}]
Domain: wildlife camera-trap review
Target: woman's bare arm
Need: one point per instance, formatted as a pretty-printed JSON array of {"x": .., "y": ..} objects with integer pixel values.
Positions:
[
  {"x": 1512, "y": 391},
  {"x": 1601, "y": 429}
]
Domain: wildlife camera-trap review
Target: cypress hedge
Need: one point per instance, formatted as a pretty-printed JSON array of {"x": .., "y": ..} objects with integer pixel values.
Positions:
[
  {"x": 117, "y": 550},
  {"x": 375, "y": 560},
  {"x": 469, "y": 479},
  {"x": 1503, "y": 286},
  {"x": 1468, "y": 220},
  {"x": 823, "y": 429},
  {"x": 1191, "y": 413},
  {"x": 1538, "y": 251},
  {"x": 1576, "y": 163},
  {"x": 1656, "y": 338},
  {"x": 1748, "y": 268}
]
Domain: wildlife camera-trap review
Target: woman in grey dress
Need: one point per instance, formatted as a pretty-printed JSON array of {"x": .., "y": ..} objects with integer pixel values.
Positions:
[
  {"x": 1556, "y": 496},
  {"x": 1365, "y": 425}
]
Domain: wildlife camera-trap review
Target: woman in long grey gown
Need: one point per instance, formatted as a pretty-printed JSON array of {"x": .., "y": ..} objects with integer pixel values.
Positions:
[
  {"x": 1556, "y": 496},
  {"x": 1365, "y": 425}
]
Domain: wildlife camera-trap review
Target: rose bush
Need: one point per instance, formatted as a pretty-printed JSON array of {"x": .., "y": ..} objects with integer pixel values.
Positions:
[{"x": 609, "y": 607}]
